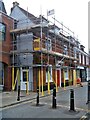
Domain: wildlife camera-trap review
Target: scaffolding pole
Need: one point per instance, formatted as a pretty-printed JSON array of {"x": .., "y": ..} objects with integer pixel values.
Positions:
[
  {"x": 56, "y": 80},
  {"x": 39, "y": 80},
  {"x": 12, "y": 78},
  {"x": 70, "y": 77},
  {"x": 74, "y": 77},
  {"x": 48, "y": 82},
  {"x": 64, "y": 80},
  {"x": 42, "y": 80},
  {"x": 27, "y": 82},
  {"x": 19, "y": 77}
]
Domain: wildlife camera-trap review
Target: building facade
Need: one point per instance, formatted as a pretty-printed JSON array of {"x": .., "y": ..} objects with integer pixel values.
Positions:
[
  {"x": 89, "y": 38},
  {"x": 43, "y": 55},
  {"x": 50, "y": 56},
  {"x": 6, "y": 24}
]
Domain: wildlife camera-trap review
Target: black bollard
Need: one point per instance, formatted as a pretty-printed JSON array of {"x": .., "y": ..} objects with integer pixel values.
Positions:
[
  {"x": 37, "y": 97},
  {"x": 88, "y": 92},
  {"x": 18, "y": 98},
  {"x": 72, "y": 100},
  {"x": 54, "y": 98}
]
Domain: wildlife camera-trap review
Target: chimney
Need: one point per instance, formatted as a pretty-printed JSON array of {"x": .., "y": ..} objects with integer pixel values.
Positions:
[
  {"x": 82, "y": 47},
  {"x": 15, "y": 4}
]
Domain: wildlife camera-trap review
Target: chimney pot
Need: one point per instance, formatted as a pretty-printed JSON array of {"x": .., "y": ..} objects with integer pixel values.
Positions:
[{"x": 15, "y": 4}]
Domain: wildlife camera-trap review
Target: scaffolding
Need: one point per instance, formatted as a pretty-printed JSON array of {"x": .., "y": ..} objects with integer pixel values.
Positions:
[{"x": 49, "y": 48}]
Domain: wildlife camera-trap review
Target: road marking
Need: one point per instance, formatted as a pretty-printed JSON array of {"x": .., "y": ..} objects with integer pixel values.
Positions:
[
  {"x": 15, "y": 105},
  {"x": 77, "y": 108},
  {"x": 30, "y": 101},
  {"x": 33, "y": 102}
]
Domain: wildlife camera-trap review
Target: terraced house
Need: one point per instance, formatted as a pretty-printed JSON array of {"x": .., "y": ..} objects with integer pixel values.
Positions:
[{"x": 44, "y": 54}]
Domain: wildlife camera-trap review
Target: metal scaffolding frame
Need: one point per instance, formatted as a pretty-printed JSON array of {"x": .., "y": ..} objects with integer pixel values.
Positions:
[{"x": 43, "y": 51}]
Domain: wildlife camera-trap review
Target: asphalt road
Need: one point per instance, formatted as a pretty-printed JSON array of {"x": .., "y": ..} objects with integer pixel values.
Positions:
[{"x": 45, "y": 110}]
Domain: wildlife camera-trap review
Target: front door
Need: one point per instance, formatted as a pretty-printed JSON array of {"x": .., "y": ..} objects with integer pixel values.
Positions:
[
  {"x": 1, "y": 75},
  {"x": 25, "y": 79},
  {"x": 58, "y": 77}
]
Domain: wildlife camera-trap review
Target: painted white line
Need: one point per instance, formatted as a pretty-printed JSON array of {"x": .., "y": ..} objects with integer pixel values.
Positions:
[
  {"x": 15, "y": 105},
  {"x": 81, "y": 109}
]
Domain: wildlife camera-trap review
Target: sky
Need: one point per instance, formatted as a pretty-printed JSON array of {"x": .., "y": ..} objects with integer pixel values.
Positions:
[{"x": 72, "y": 13}]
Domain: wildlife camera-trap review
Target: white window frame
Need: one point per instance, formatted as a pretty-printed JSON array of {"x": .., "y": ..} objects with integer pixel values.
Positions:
[
  {"x": 83, "y": 60},
  {"x": 87, "y": 60},
  {"x": 79, "y": 57}
]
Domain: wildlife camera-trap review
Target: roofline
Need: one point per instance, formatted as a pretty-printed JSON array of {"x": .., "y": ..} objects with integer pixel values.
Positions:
[
  {"x": 23, "y": 10},
  {"x": 8, "y": 15},
  {"x": 83, "y": 52}
]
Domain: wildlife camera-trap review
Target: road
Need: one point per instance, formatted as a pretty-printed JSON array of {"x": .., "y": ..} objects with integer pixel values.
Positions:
[{"x": 45, "y": 110}]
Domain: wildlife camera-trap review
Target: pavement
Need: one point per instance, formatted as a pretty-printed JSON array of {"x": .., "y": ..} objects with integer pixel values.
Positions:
[{"x": 9, "y": 98}]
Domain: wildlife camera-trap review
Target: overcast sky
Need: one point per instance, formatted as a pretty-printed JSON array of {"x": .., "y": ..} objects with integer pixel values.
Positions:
[{"x": 73, "y": 13}]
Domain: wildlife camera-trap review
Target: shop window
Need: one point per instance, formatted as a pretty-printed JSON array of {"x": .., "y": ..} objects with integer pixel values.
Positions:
[{"x": 2, "y": 32}]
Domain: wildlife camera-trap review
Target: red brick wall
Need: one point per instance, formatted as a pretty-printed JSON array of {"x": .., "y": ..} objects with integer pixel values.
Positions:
[{"x": 5, "y": 48}]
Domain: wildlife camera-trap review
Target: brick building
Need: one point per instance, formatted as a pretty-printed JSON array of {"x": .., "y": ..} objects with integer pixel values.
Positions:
[
  {"x": 41, "y": 55},
  {"x": 44, "y": 54},
  {"x": 6, "y": 24}
]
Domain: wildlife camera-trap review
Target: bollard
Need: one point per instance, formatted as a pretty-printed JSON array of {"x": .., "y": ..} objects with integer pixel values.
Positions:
[
  {"x": 18, "y": 98},
  {"x": 72, "y": 100},
  {"x": 37, "y": 97},
  {"x": 88, "y": 92},
  {"x": 54, "y": 98}
]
